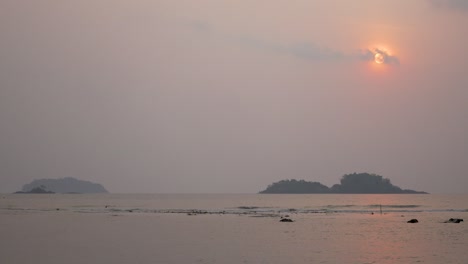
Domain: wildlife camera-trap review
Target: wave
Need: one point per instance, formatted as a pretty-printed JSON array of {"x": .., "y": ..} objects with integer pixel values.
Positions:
[
  {"x": 246, "y": 210},
  {"x": 339, "y": 206},
  {"x": 394, "y": 206},
  {"x": 248, "y": 207}
]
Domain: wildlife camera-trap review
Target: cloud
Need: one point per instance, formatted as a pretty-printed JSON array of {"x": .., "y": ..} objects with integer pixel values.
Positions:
[
  {"x": 302, "y": 50},
  {"x": 311, "y": 51},
  {"x": 306, "y": 50},
  {"x": 369, "y": 55},
  {"x": 461, "y": 5}
]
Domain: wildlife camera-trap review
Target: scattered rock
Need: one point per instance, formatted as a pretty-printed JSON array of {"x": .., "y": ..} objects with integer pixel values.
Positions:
[
  {"x": 413, "y": 221},
  {"x": 454, "y": 220},
  {"x": 286, "y": 220}
]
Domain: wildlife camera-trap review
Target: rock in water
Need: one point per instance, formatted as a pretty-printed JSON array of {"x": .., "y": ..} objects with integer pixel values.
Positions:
[
  {"x": 454, "y": 220},
  {"x": 413, "y": 221}
]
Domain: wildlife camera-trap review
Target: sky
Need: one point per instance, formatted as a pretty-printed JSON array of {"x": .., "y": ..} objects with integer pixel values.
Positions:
[{"x": 209, "y": 96}]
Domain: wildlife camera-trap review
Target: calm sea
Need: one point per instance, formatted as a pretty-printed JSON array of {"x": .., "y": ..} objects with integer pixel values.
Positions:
[{"x": 232, "y": 228}]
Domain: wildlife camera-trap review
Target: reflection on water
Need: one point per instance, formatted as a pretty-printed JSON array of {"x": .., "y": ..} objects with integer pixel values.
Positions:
[{"x": 156, "y": 228}]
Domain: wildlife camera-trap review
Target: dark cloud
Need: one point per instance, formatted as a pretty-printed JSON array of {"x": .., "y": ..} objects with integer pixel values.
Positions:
[
  {"x": 313, "y": 52},
  {"x": 303, "y": 50},
  {"x": 461, "y": 5},
  {"x": 369, "y": 55},
  {"x": 306, "y": 50}
]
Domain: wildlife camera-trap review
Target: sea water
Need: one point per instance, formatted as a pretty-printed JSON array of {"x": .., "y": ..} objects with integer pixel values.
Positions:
[{"x": 232, "y": 228}]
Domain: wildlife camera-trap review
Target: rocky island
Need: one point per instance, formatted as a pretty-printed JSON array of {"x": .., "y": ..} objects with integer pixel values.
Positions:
[
  {"x": 358, "y": 183},
  {"x": 63, "y": 185}
]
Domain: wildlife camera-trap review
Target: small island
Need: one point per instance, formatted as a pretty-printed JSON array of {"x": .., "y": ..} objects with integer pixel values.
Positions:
[
  {"x": 41, "y": 189},
  {"x": 63, "y": 185},
  {"x": 357, "y": 183}
]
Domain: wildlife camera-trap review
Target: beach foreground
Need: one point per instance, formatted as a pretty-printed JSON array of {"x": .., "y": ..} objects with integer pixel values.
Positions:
[{"x": 67, "y": 236}]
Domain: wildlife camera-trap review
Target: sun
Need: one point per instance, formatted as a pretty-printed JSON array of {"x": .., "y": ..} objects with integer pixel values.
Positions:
[{"x": 379, "y": 58}]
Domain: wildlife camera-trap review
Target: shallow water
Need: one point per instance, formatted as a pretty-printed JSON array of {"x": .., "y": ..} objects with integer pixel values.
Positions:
[
  {"x": 237, "y": 203},
  {"x": 219, "y": 228}
]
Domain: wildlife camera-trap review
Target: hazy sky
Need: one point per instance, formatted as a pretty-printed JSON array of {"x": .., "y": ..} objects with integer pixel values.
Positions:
[{"x": 232, "y": 95}]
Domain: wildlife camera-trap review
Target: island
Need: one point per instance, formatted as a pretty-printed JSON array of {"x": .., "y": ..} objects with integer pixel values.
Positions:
[
  {"x": 357, "y": 183},
  {"x": 40, "y": 189},
  {"x": 62, "y": 185}
]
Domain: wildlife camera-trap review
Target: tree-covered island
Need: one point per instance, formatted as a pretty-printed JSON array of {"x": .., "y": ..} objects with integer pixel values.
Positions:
[
  {"x": 62, "y": 185},
  {"x": 349, "y": 183}
]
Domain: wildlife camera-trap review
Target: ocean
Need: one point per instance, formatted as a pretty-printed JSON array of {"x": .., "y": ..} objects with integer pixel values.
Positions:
[{"x": 232, "y": 228}]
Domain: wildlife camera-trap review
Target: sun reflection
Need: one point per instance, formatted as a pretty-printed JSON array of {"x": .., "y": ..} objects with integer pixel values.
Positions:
[{"x": 379, "y": 230}]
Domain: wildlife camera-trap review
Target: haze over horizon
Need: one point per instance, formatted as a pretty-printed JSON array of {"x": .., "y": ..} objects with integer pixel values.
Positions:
[{"x": 229, "y": 96}]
